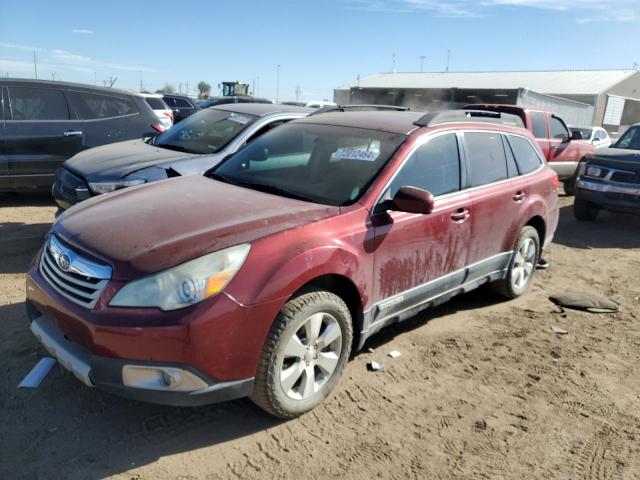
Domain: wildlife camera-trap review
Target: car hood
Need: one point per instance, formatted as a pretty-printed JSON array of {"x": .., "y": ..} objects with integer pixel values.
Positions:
[
  {"x": 152, "y": 227},
  {"x": 117, "y": 160},
  {"x": 620, "y": 158}
]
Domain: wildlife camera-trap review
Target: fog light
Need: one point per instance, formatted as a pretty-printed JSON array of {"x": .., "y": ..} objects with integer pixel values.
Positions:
[{"x": 161, "y": 378}]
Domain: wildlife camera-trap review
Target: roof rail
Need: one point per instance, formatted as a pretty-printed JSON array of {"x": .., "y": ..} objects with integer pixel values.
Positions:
[
  {"x": 342, "y": 108},
  {"x": 468, "y": 115}
]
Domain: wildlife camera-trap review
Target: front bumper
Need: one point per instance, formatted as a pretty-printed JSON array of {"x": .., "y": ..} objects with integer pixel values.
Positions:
[
  {"x": 610, "y": 196},
  {"x": 109, "y": 374}
]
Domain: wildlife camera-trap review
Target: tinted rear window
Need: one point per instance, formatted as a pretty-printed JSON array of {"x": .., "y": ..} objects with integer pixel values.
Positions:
[
  {"x": 526, "y": 156},
  {"x": 538, "y": 125},
  {"x": 486, "y": 158},
  {"x": 38, "y": 104},
  {"x": 181, "y": 103},
  {"x": 156, "y": 103},
  {"x": 91, "y": 106}
]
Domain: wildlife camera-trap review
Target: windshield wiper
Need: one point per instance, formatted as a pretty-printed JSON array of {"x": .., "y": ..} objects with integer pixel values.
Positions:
[
  {"x": 177, "y": 148},
  {"x": 275, "y": 189}
]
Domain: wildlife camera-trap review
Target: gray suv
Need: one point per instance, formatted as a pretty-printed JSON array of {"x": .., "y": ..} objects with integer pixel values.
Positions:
[{"x": 191, "y": 147}]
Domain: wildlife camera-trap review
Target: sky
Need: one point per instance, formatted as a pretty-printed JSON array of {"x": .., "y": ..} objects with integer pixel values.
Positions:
[{"x": 319, "y": 45}]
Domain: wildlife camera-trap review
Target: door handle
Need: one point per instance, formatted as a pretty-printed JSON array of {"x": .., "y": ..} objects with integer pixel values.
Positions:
[
  {"x": 460, "y": 215},
  {"x": 519, "y": 196},
  {"x": 72, "y": 133}
]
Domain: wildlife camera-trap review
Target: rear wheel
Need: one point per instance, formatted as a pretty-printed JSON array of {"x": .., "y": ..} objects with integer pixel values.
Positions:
[
  {"x": 585, "y": 211},
  {"x": 304, "y": 355},
  {"x": 522, "y": 266}
]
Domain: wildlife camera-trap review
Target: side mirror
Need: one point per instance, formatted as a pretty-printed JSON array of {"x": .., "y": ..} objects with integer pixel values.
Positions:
[
  {"x": 576, "y": 135},
  {"x": 412, "y": 200}
]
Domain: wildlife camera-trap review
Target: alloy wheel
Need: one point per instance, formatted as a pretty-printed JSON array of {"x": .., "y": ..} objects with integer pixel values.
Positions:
[{"x": 524, "y": 263}]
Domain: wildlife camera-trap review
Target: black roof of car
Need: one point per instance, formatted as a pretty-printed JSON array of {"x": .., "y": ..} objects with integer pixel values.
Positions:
[
  {"x": 260, "y": 109},
  {"x": 386, "y": 121},
  {"x": 57, "y": 83}
]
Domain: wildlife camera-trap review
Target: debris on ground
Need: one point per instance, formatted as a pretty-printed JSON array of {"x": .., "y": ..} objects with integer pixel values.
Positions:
[
  {"x": 394, "y": 354},
  {"x": 589, "y": 302},
  {"x": 542, "y": 264},
  {"x": 373, "y": 366},
  {"x": 559, "y": 331}
]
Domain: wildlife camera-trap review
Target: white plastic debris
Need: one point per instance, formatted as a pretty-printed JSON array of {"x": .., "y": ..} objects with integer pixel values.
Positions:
[
  {"x": 374, "y": 366},
  {"x": 394, "y": 354},
  {"x": 559, "y": 331},
  {"x": 35, "y": 377}
]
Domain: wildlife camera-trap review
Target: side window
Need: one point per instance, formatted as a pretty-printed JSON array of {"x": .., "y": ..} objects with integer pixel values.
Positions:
[
  {"x": 558, "y": 129},
  {"x": 526, "y": 156},
  {"x": 171, "y": 102},
  {"x": 512, "y": 169},
  {"x": 182, "y": 103},
  {"x": 92, "y": 106},
  {"x": 487, "y": 160},
  {"x": 538, "y": 125},
  {"x": 38, "y": 104},
  {"x": 435, "y": 166}
]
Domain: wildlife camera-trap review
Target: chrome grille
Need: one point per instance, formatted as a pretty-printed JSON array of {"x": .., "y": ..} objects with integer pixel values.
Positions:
[{"x": 73, "y": 276}]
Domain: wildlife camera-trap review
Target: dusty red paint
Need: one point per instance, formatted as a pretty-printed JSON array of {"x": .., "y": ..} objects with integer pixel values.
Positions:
[{"x": 151, "y": 228}]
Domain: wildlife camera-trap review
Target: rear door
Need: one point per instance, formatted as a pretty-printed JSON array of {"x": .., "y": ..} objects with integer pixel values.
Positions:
[
  {"x": 40, "y": 134},
  {"x": 420, "y": 256},
  {"x": 540, "y": 130},
  {"x": 565, "y": 154},
  {"x": 4, "y": 166},
  {"x": 498, "y": 197}
]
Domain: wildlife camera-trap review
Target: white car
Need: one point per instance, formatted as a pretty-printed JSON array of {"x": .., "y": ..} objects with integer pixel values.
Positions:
[
  {"x": 597, "y": 136},
  {"x": 319, "y": 104},
  {"x": 160, "y": 108}
]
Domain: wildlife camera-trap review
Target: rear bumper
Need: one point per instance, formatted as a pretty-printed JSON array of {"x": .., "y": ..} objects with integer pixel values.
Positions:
[
  {"x": 108, "y": 374},
  {"x": 614, "y": 197}
]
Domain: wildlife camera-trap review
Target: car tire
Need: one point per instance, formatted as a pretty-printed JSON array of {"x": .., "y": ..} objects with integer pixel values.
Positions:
[
  {"x": 585, "y": 211},
  {"x": 570, "y": 186},
  {"x": 522, "y": 265},
  {"x": 304, "y": 355}
]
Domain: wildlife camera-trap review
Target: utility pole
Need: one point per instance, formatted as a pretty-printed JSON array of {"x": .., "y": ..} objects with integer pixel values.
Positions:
[
  {"x": 298, "y": 91},
  {"x": 187, "y": 88},
  {"x": 393, "y": 62},
  {"x": 95, "y": 79},
  {"x": 140, "y": 75},
  {"x": 35, "y": 64},
  {"x": 422, "y": 57},
  {"x": 53, "y": 76},
  {"x": 448, "y": 60},
  {"x": 278, "y": 84}
]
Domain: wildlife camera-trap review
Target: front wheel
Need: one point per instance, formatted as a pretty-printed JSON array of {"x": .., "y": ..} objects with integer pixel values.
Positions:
[
  {"x": 585, "y": 211},
  {"x": 522, "y": 266},
  {"x": 570, "y": 186},
  {"x": 304, "y": 355}
]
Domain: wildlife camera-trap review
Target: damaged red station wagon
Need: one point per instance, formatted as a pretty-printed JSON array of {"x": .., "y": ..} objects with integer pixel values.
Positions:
[{"x": 260, "y": 278}]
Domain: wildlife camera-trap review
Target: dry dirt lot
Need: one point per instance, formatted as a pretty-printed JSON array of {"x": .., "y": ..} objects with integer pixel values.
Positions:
[{"x": 483, "y": 389}]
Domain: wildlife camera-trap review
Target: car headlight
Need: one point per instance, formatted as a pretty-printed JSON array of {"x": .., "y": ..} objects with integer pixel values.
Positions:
[
  {"x": 106, "y": 187},
  {"x": 186, "y": 284},
  {"x": 594, "y": 171}
]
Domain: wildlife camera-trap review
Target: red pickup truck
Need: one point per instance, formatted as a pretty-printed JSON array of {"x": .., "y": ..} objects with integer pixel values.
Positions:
[{"x": 562, "y": 149}]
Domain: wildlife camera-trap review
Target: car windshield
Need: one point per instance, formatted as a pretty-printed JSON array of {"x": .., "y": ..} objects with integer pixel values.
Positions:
[
  {"x": 206, "y": 131},
  {"x": 320, "y": 163},
  {"x": 586, "y": 132},
  {"x": 630, "y": 139}
]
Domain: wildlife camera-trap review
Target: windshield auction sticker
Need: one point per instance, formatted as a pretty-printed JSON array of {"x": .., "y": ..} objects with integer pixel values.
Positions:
[
  {"x": 354, "y": 154},
  {"x": 238, "y": 119}
]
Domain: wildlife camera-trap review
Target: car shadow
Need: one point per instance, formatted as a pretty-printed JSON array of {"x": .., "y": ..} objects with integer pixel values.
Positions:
[
  {"x": 475, "y": 299},
  {"x": 85, "y": 433},
  {"x": 36, "y": 198},
  {"x": 609, "y": 230}
]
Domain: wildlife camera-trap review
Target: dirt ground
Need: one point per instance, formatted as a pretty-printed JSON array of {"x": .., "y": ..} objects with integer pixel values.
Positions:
[{"x": 483, "y": 389}]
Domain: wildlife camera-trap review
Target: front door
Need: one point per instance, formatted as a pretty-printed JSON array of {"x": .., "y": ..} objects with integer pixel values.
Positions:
[
  {"x": 418, "y": 257},
  {"x": 40, "y": 134}
]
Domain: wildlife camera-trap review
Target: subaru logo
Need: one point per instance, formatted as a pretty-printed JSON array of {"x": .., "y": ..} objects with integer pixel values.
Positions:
[{"x": 64, "y": 262}]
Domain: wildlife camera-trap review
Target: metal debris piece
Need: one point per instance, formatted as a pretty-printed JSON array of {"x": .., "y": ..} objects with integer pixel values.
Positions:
[
  {"x": 394, "y": 354},
  {"x": 559, "y": 331}
]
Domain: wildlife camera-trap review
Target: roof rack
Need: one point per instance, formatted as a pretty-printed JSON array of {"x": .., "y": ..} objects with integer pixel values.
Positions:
[
  {"x": 342, "y": 108},
  {"x": 467, "y": 115}
]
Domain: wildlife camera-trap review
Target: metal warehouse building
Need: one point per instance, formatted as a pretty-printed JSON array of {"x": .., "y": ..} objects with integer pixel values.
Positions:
[{"x": 608, "y": 98}]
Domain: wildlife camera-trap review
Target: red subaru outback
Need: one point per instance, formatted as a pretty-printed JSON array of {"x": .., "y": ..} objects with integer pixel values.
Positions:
[{"x": 260, "y": 278}]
